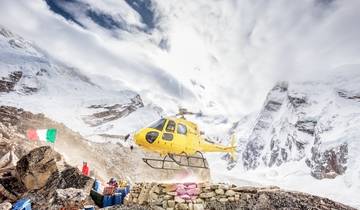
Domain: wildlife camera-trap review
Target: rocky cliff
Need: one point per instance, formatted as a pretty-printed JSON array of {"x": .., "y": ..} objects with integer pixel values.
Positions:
[{"x": 315, "y": 122}]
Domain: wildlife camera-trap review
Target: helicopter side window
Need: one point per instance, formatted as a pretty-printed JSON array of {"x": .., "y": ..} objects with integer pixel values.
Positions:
[
  {"x": 170, "y": 126},
  {"x": 181, "y": 129},
  {"x": 158, "y": 125},
  {"x": 168, "y": 136}
]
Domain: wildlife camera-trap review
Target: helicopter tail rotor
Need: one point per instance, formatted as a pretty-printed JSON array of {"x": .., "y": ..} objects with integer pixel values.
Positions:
[{"x": 233, "y": 145}]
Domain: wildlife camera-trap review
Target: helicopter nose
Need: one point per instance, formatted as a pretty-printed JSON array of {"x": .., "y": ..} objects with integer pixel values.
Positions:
[
  {"x": 145, "y": 137},
  {"x": 139, "y": 139}
]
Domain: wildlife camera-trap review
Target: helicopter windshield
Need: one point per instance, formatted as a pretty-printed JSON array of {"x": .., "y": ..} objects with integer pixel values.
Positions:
[
  {"x": 170, "y": 126},
  {"x": 158, "y": 125}
]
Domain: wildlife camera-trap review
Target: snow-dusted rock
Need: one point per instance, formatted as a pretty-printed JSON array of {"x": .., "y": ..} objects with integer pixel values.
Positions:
[{"x": 313, "y": 121}]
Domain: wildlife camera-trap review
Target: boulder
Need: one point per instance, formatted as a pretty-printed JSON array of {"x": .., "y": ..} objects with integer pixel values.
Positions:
[
  {"x": 35, "y": 168},
  {"x": 230, "y": 193},
  {"x": 171, "y": 204},
  {"x": 198, "y": 206},
  {"x": 70, "y": 198},
  {"x": 245, "y": 189},
  {"x": 179, "y": 200},
  {"x": 207, "y": 195},
  {"x": 170, "y": 188},
  {"x": 73, "y": 178},
  {"x": 219, "y": 191},
  {"x": 167, "y": 197},
  {"x": 182, "y": 206},
  {"x": 50, "y": 186},
  {"x": 224, "y": 186},
  {"x": 223, "y": 200},
  {"x": 11, "y": 188},
  {"x": 5, "y": 206},
  {"x": 144, "y": 195}
]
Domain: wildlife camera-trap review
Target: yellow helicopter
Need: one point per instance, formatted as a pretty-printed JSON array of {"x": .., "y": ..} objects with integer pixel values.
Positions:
[{"x": 179, "y": 142}]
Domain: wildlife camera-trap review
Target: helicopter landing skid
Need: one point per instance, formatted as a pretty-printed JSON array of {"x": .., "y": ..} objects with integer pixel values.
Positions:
[
  {"x": 185, "y": 160},
  {"x": 164, "y": 163},
  {"x": 182, "y": 160}
]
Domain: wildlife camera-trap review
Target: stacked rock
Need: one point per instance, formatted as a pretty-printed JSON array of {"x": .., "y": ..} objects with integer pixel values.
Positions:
[{"x": 199, "y": 196}]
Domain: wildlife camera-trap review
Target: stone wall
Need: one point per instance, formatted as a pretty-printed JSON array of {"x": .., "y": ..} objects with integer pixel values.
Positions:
[{"x": 193, "y": 196}]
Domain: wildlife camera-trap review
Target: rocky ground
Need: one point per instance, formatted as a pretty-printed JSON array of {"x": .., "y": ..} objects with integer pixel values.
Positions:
[{"x": 44, "y": 178}]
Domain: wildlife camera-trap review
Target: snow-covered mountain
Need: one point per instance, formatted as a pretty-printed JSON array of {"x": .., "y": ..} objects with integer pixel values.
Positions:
[
  {"x": 33, "y": 80},
  {"x": 305, "y": 131},
  {"x": 313, "y": 121}
]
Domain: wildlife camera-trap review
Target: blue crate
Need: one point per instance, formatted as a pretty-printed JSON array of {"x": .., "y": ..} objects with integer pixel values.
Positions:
[{"x": 22, "y": 204}]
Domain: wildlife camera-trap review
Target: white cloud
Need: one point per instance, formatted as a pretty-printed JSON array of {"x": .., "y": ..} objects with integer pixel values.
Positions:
[{"x": 236, "y": 49}]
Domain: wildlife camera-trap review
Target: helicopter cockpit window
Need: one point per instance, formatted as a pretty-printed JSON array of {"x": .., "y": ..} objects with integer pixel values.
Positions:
[
  {"x": 181, "y": 129},
  {"x": 170, "y": 126},
  {"x": 158, "y": 125}
]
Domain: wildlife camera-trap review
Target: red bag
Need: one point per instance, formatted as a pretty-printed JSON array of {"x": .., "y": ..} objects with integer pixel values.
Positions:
[
  {"x": 85, "y": 170},
  {"x": 109, "y": 190}
]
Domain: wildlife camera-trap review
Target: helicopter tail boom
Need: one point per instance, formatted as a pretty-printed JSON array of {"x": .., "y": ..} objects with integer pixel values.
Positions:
[{"x": 210, "y": 147}]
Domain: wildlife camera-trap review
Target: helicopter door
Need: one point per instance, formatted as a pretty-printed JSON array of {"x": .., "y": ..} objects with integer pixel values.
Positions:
[
  {"x": 185, "y": 144},
  {"x": 168, "y": 134}
]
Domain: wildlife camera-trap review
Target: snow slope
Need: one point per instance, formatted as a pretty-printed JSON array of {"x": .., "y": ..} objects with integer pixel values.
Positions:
[{"x": 65, "y": 94}]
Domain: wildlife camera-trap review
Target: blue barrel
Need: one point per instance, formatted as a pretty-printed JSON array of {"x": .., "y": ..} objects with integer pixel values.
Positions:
[
  {"x": 97, "y": 185},
  {"x": 22, "y": 204},
  {"x": 122, "y": 191},
  {"x": 107, "y": 200},
  {"x": 127, "y": 188},
  {"x": 89, "y": 207},
  {"x": 118, "y": 199}
]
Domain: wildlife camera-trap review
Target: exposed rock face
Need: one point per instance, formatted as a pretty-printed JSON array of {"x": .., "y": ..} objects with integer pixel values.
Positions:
[
  {"x": 7, "y": 84},
  {"x": 252, "y": 155},
  {"x": 112, "y": 112},
  {"x": 314, "y": 122},
  {"x": 12, "y": 131},
  {"x": 328, "y": 164},
  {"x": 173, "y": 196},
  {"x": 348, "y": 95},
  {"x": 35, "y": 168},
  {"x": 307, "y": 126}
]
